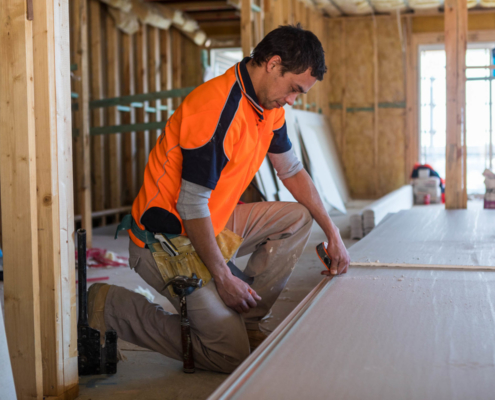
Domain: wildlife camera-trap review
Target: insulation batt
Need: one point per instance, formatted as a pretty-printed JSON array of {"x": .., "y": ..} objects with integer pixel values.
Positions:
[
  {"x": 126, "y": 22},
  {"x": 124, "y": 5}
]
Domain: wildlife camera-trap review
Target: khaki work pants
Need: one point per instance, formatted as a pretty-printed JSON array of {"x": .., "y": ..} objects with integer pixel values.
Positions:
[{"x": 274, "y": 232}]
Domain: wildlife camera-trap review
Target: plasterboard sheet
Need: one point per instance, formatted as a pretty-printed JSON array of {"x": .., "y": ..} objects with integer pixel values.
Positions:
[
  {"x": 292, "y": 130},
  {"x": 431, "y": 235},
  {"x": 265, "y": 176},
  {"x": 7, "y": 388},
  {"x": 322, "y": 176},
  {"x": 320, "y": 126},
  {"x": 384, "y": 334},
  {"x": 400, "y": 199}
]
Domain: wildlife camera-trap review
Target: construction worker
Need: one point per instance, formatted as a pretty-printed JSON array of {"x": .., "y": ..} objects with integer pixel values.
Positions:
[{"x": 206, "y": 157}]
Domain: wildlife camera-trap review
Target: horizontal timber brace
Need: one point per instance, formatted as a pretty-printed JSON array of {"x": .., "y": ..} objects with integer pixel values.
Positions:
[
  {"x": 138, "y": 98},
  {"x": 338, "y": 106}
]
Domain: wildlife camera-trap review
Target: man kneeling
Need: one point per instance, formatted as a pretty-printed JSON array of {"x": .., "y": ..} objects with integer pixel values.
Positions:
[{"x": 205, "y": 158}]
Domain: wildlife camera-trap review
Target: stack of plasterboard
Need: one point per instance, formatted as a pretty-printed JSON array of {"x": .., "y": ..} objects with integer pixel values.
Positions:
[
  {"x": 357, "y": 230},
  {"x": 312, "y": 142},
  {"x": 400, "y": 199},
  {"x": 325, "y": 166},
  {"x": 414, "y": 323}
]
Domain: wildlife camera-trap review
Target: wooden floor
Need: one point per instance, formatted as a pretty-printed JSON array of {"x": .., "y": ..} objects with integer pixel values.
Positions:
[{"x": 390, "y": 333}]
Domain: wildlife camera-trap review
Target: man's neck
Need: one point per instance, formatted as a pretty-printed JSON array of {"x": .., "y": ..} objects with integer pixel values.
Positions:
[{"x": 254, "y": 75}]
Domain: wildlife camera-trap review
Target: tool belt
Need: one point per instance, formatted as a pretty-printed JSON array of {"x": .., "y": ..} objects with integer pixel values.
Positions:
[{"x": 187, "y": 262}]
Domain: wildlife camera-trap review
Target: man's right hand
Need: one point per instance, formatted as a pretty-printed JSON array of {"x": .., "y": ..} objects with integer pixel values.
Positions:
[{"x": 236, "y": 294}]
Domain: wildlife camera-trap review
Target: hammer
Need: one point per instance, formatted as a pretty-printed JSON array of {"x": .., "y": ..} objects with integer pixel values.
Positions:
[{"x": 184, "y": 286}]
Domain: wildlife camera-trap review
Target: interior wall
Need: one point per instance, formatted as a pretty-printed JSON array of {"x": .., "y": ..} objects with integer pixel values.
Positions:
[
  {"x": 370, "y": 138},
  {"x": 149, "y": 60}
]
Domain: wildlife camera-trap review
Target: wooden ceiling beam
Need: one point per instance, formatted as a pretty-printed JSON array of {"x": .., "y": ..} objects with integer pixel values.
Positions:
[
  {"x": 215, "y": 16},
  {"x": 188, "y": 6}
]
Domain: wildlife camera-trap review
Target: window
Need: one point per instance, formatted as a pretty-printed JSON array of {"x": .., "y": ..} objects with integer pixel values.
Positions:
[{"x": 480, "y": 91}]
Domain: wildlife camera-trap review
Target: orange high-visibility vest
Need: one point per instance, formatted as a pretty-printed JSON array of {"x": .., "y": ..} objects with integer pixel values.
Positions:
[{"x": 217, "y": 138}]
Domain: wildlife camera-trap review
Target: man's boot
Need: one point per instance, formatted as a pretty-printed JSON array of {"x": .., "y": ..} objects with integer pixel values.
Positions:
[
  {"x": 97, "y": 295},
  {"x": 255, "y": 337}
]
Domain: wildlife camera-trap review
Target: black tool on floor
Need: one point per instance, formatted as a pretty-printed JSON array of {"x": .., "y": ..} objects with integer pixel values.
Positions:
[
  {"x": 184, "y": 286},
  {"x": 93, "y": 359}
]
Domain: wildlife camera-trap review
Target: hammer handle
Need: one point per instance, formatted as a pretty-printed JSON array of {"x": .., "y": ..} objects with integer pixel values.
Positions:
[{"x": 185, "y": 333}]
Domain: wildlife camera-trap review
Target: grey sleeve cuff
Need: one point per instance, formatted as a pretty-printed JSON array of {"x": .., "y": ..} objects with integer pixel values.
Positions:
[
  {"x": 286, "y": 164},
  {"x": 193, "y": 201}
]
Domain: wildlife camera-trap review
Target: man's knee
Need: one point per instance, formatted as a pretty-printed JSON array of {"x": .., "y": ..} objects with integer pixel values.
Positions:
[
  {"x": 234, "y": 358},
  {"x": 299, "y": 215},
  {"x": 227, "y": 356}
]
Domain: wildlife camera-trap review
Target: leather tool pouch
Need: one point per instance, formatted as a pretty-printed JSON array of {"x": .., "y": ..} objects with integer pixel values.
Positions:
[{"x": 188, "y": 262}]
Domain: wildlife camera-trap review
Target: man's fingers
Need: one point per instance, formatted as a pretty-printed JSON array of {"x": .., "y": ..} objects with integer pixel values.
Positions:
[
  {"x": 254, "y": 294},
  {"x": 244, "y": 306},
  {"x": 251, "y": 302},
  {"x": 342, "y": 267},
  {"x": 334, "y": 266}
]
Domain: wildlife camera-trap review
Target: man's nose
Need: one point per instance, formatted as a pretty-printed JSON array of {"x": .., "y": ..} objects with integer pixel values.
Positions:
[{"x": 290, "y": 99}]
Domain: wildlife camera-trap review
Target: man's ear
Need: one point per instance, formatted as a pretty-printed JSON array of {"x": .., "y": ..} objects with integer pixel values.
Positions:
[{"x": 273, "y": 63}]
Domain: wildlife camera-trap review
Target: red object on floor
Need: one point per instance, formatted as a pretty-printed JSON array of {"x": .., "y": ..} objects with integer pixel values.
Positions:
[
  {"x": 96, "y": 259},
  {"x": 427, "y": 199}
]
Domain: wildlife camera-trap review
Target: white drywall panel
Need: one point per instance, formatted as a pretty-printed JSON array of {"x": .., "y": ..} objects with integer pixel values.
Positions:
[
  {"x": 323, "y": 136},
  {"x": 265, "y": 175},
  {"x": 400, "y": 199},
  {"x": 383, "y": 334},
  {"x": 431, "y": 235},
  {"x": 7, "y": 388},
  {"x": 321, "y": 173}
]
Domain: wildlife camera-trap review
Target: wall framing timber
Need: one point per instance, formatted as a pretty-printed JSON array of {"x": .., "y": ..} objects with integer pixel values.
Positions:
[
  {"x": 456, "y": 28},
  {"x": 37, "y": 199},
  {"x": 54, "y": 187},
  {"x": 19, "y": 201}
]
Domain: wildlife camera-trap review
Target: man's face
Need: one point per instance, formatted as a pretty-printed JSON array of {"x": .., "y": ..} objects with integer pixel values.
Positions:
[{"x": 278, "y": 90}]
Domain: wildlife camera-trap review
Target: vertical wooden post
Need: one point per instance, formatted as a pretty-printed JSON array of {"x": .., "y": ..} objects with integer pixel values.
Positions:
[
  {"x": 80, "y": 85},
  {"x": 258, "y": 23},
  {"x": 129, "y": 139},
  {"x": 303, "y": 19},
  {"x": 268, "y": 16},
  {"x": 154, "y": 76},
  {"x": 176, "y": 64},
  {"x": 19, "y": 208},
  {"x": 54, "y": 187},
  {"x": 411, "y": 102},
  {"x": 142, "y": 139},
  {"x": 287, "y": 12},
  {"x": 98, "y": 115},
  {"x": 67, "y": 279},
  {"x": 246, "y": 27},
  {"x": 343, "y": 72},
  {"x": 113, "y": 115},
  {"x": 375, "y": 106},
  {"x": 166, "y": 67},
  {"x": 455, "y": 49}
]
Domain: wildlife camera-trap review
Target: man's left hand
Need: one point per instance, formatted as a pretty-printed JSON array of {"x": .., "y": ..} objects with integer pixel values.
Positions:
[{"x": 339, "y": 255}]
